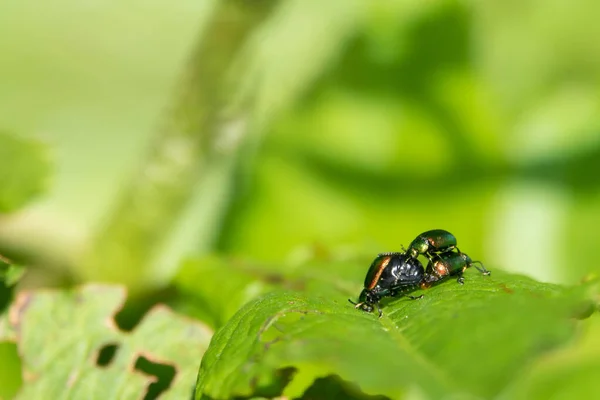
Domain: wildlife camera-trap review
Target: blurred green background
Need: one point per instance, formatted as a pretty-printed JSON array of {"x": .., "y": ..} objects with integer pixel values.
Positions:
[{"x": 342, "y": 126}]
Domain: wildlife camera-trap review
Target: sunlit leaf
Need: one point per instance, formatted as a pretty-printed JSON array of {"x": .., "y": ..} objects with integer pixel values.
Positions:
[
  {"x": 10, "y": 369},
  {"x": 569, "y": 373},
  {"x": 61, "y": 336},
  {"x": 239, "y": 282},
  {"x": 468, "y": 339},
  {"x": 23, "y": 171},
  {"x": 274, "y": 67},
  {"x": 9, "y": 272}
]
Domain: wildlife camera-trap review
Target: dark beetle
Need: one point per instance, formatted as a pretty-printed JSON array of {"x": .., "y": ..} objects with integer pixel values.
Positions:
[
  {"x": 432, "y": 242},
  {"x": 450, "y": 264},
  {"x": 390, "y": 274}
]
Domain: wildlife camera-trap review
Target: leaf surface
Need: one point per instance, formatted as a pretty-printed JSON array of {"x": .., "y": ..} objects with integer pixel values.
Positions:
[
  {"x": 471, "y": 339},
  {"x": 568, "y": 373},
  {"x": 24, "y": 170},
  {"x": 60, "y": 335}
]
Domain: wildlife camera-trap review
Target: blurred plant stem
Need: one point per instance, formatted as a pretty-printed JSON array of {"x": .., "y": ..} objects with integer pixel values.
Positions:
[{"x": 175, "y": 202}]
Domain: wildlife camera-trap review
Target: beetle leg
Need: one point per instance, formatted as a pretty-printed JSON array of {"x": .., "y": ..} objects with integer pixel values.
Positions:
[
  {"x": 460, "y": 279},
  {"x": 379, "y": 309},
  {"x": 415, "y": 297},
  {"x": 482, "y": 269},
  {"x": 428, "y": 257}
]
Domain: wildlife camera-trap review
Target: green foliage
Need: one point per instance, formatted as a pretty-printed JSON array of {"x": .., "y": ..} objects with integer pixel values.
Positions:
[
  {"x": 24, "y": 170},
  {"x": 10, "y": 369},
  {"x": 60, "y": 335},
  {"x": 215, "y": 304},
  {"x": 4, "y": 267},
  {"x": 342, "y": 124},
  {"x": 570, "y": 373},
  {"x": 10, "y": 273},
  {"x": 473, "y": 339}
]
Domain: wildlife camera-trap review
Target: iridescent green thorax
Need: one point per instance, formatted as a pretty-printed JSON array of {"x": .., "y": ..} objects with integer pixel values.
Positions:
[{"x": 433, "y": 241}]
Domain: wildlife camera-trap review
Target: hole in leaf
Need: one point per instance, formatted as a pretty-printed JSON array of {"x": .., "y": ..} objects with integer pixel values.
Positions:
[
  {"x": 106, "y": 354},
  {"x": 164, "y": 374},
  {"x": 136, "y": 307},
  {"x": 274, "y": 385},
  {"x": 333, "y": 387}
]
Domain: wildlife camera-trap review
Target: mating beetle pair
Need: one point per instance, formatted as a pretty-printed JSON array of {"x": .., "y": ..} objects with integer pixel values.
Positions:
[{"x": 393, "y": 274}]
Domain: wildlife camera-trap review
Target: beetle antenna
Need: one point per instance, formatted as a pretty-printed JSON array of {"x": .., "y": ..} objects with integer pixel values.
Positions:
[
  {"x": 356, "y": 305},
  {"x": 483, "y": 270}
]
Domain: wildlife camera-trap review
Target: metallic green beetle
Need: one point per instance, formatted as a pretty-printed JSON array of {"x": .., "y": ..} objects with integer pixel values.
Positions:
[
  {"x": 431, "y": 243},
  {"x": 450, "y": 264}
]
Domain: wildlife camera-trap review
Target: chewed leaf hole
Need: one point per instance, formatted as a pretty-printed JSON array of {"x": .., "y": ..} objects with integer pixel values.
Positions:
[
  {"x": 136, "y": 307},
  {"x": 164, "y": 374},
  {"x": 333, "y": 387},
  {"x": 106, "y": 355}
]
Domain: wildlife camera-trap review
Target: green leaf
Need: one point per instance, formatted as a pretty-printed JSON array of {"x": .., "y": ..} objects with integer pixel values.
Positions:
[
  {"x": 7, "y": 331},
  {"x": 246, "y": 280},
  {"x": 60, "y": 335},
  {"x": 4, "y": 266},
  {"x": 569, "y": 373},
  {"x": 471, "y": 339},
  {"x": 10, "y": 273},
  {"x": 273, "y": 69},
  {"x": 10, "y": 370},
  {"x": 239, "y": 282},
  {"x": 24, "y": 169}
]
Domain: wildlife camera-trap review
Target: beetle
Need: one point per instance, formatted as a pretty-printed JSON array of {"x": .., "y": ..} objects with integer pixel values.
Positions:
[
  {"x": 450, "y": 264},
  {"x": 432, "y": 242},
  {"x": 390, "y": 274}
]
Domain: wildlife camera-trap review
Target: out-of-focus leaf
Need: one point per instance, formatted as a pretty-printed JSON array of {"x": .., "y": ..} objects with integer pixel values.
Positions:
[
  {"x": 7, "y": 332},
  {"x": 238, "y": 283},
  {"x": 24, "y": 170},
  {"x": 334, "y": 205},
  {"x": 569, "y": 373},
  {"x": 4, "y": 266},
  {"x": 10, "y": 273},
  {"x": 583, "y": 219},
  {"x": 241, "y": 281},
  {"x": 10, "y": 370},
  {"x": 339, "y": 127},
  {"x": 470, "y": 339},
  {"x": 524, "y": 51},
  {"x": 274, "y": 67},
  {"x": 14, "y": 274},
  {"x": 60, "y": 336},
  {"x": 565, "y": 123},
  {"x": 541, "y": 60}
]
